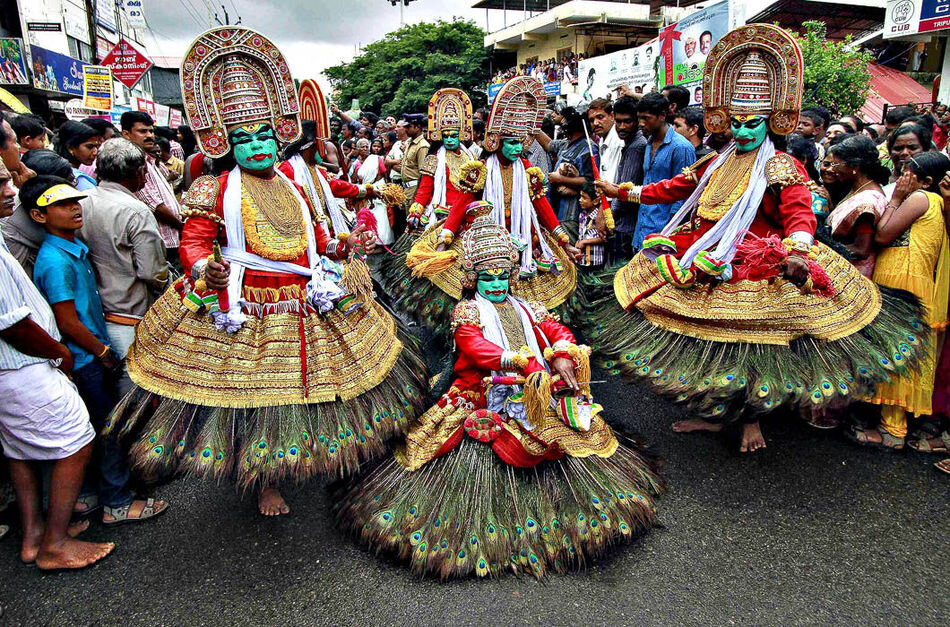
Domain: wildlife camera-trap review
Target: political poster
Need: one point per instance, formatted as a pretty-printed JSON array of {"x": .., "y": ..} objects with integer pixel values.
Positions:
[
  {"x": 599, "y": 77},
  {"x": 53, "y": 71},
  {"x": 12, "y": 62},
  {"x": 685, "y": 45},
  {"x": 97, "y": 87}
]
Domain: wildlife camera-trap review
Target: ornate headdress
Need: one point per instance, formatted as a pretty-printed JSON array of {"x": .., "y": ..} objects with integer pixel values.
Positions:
[
  {"x": 313, "y": 108},
  {"x": 754, "y": 70},
  {"x": 233, "y": 76},
  {"x": 486, "y": 245},
  {"x": 517, "y": 111},
  {"x": 450, "y": 109}
]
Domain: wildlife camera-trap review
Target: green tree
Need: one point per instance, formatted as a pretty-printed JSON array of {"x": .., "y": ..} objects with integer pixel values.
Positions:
[
  {"x": 400, "y": 72},
  {"x": 836, "y": 73}
]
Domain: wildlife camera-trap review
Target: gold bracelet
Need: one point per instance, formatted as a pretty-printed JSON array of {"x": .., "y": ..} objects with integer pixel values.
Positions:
[{"x": 104, "y": 351}]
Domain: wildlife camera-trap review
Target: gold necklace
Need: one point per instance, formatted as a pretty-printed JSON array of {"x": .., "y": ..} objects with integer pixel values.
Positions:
[
  {"x": 454, "y": 161},
  {"x": 511, "y": 325},
  {"x": 507, "y": 178},
  {"x": 726, "y": 186},
  {"x": 277, "y": 202},
  {"x": 855, "y": 191}
]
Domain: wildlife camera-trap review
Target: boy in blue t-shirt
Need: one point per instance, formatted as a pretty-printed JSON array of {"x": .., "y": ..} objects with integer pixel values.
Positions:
[{"x": 64, "y": 275}]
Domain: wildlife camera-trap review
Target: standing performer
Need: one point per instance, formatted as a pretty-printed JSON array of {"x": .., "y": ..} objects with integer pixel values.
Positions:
[
  {"x": 517, "y": 192},
  {"x": 296, "y": 371},
  {"x": 733, "y": 307},
  {"x": 304, "y": 164},
  {"x": 514, "y": 468}
]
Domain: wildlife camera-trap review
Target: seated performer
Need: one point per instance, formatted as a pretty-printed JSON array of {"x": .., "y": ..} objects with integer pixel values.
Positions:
[
  {"x": 269, "y": 360},
  {"x": 733, "y": 307},
  {"x": 514, "y": 468},
  {"x": 517, "y": 193}
]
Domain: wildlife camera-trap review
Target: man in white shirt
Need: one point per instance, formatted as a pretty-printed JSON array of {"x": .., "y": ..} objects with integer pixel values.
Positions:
[{"x": 600, "y": 114}]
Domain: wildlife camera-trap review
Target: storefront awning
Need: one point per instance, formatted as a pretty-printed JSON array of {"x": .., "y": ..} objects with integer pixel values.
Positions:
[{"x": 891, "y": 87}]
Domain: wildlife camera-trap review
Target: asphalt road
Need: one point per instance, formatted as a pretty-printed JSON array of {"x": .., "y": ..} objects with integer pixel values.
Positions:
[{"x": 811, "y": 530}]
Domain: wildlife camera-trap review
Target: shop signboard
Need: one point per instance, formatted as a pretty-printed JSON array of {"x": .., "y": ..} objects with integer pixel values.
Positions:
[
  {"x": 127, "y": 63},
  {"x": 905, "y": 18},
  {"x": 133, "y": 13},
  {"x": 12, "y": 62},
  {"x": 53, "y": 71}
]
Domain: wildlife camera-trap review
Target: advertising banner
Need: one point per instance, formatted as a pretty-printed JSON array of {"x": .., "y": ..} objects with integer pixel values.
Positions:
[
  {"x": 74, "y": 18},
  {"x": 910, "y": 17},
  {"x": 142, "y": 104},
  {"x": 12, "y": 62},
  {"x": 175, "y": 118},
  {"x": 106, "y": 15},
  {"x": 116, "y": 113},
  {"x": 127, "y": 63},
  {"x": 56, "y": 72},
  {"x": 685, "y": 45},
  {"x": 161, "y": 114},
  {"x": 97, "y": 87},
  {"x": 598, "y": 77},
  {"x": 133, "y": 13}
]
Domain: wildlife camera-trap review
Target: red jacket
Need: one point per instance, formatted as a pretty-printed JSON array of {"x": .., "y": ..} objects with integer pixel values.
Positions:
[
  {"x": 546, "y": 216},
  {"x": 786, "y": 206}
]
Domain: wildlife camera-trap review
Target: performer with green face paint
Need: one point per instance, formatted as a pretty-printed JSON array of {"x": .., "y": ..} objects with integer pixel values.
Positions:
[
  {"x": 505, "y": 472},
  {"x": 270, "y": 360},
  {"x": 517, "y": 193},
  {"x": 733, "y": 307}
]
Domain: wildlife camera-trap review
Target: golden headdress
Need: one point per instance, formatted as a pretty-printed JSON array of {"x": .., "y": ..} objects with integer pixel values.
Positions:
[
  {"x": 450, "y": 109},
  {"x": 755, "y": 69},
  {"x": 517, "y": 111},
  {"x": 313, "y": 108},
  {"x": 233, "y": 76},
  {"x": 486, "y": 245}
]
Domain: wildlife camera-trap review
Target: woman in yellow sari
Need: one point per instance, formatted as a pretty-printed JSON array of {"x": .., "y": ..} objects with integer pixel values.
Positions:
[{"x": 914, "y": 256}]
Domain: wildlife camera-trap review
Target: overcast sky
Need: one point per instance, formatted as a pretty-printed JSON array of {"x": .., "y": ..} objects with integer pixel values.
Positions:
[{"x": 313, "y": 34}]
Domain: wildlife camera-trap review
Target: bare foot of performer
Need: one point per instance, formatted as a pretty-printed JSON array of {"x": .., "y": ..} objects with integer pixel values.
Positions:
[{"x": 271, "y": 503}]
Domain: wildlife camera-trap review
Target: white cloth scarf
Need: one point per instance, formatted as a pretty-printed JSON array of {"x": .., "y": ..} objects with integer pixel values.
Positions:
[
  {"x": 523, "y": 215},
  {"x": 368, "y": 173},
  {"x": 493, "y": 332},
  {"x": 439, "y": 193},
  {"x": 320, "y": 291},
  {"x": 304, "y": 178},
  {"x": 731, "y": 229}
]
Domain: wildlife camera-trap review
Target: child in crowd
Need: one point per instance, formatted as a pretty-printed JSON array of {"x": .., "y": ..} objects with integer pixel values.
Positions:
[
  {"x": 592, "y": 229},
  {"x": 64, "y": 275}
]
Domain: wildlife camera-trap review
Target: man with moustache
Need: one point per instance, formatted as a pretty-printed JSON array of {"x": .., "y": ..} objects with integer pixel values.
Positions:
[
  {"x": 600, "y": 114},
  {"x": 138, "y": 127},
  {"x": 629, "y": 169}
]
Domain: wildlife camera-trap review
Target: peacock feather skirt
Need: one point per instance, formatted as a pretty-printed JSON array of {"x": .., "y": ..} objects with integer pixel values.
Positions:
[
  {"x": 750, "y": 347},
  {"x": 468, "y": 512}
]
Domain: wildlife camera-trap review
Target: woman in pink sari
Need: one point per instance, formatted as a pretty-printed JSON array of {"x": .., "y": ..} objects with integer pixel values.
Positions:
[{"x": 854, "y": 162}]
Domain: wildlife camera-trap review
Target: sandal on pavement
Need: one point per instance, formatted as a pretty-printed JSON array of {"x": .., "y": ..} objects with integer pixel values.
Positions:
[
  {"x": 120, "y": 515},
  {"x": 889, "y": 443},
  {"x": 86, "y": 506},
  {"x": 4, "y": 529},
  {"x": 923, "y": 444},
  {"x": 943, "y": 466}
]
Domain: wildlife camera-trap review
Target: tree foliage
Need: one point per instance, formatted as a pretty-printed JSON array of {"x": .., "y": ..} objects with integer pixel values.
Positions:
[
  {"x": 836, "y": 73},
  {"x": 400, "y": 72}
]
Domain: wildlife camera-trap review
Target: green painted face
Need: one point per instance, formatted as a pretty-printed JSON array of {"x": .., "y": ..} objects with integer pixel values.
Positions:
[
  {"x": 512, "y": 148},
  {"x": 493, "y": 287},
  {"x": 255, "y": 146},
  {"x": 450, "y": 139},
  {"x": 749, "y": 132}
]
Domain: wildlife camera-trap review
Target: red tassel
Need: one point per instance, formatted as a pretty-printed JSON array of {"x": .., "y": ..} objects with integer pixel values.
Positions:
[
  {"x": 821, "y": 282},
  {"x": 761, "y": 257}
]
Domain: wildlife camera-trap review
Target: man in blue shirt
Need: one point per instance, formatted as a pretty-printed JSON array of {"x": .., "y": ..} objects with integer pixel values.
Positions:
[
  {"x": 573, "y": 168},
  {"x": 65, "y": 277},
  {"x": 667, "y": 153}
]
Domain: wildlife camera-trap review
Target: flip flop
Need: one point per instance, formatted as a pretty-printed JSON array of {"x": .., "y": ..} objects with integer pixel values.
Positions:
[
  {"x": 121, "y": 514},
  {"x": 888, "y": 443},
  {"x": 4, "y": 529},
  {"x": 923, "y": 445},
  {"x": 943, "y": 466}
]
